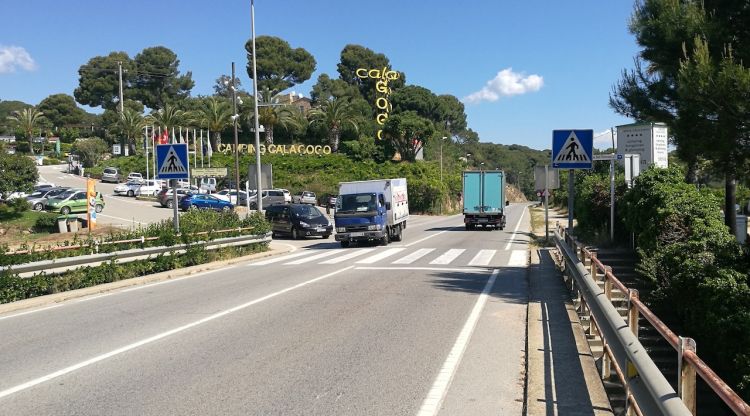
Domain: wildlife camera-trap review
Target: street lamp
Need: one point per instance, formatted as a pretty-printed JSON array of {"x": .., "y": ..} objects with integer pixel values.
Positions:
[
  {"x": 255, "y": 111},
  {"x": 235, "y": 117}
]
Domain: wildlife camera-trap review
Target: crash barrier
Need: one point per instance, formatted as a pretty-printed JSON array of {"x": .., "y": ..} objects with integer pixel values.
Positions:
[
  {"x": 647, "y": 390},
  {"x": 64, "y": 264}
]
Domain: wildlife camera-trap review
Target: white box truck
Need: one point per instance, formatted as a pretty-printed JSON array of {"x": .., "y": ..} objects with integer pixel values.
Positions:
[{"x": 374, "y": 210}]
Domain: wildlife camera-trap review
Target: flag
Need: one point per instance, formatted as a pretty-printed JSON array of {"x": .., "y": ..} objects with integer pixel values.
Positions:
[
  {"x": 164, "y": 137},
  {"x": 173, "y": 138},
  {"x": 209, "y": 151}
]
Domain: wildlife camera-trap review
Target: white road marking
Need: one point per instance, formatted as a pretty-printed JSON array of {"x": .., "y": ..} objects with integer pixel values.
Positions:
[
  {"x": 448, "y": 256},
  {"x": 325, "y": 253},
  {"x": 517, "y": 258},
  {"x": 380, "y": 256},
  {"x": 429, "y": 236},
  {"x": 483, "y": 258},
  {"x": 411, "y": 258},
  {"x": 121, "y": 219},
  {"x": 433, "y": 401},
  {"x": 30, "y": 312},
  {"x": 348, "y": 256},
  {"x": 429, "y": 269},
  {"x": 88, "y": 298},
  {"x": 129, "y": 347},
  {"x": 513, "y": 236},
  {"x": 282, "y": 258}
]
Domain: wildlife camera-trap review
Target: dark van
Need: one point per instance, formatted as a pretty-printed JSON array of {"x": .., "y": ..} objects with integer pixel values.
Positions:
[{"x": 298, "y": 221}]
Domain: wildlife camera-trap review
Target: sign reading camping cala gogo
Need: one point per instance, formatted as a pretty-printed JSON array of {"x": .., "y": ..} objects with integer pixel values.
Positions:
[
  {"x": 277, "y": 149},
  {"x": 381, "y": 86}
]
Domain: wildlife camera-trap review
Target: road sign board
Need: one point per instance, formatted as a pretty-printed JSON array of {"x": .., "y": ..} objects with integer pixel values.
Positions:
[
  {"x": 606, "y": 156},
  {"x": 572, "y": 149},
  {"x": 172, "y": 161},
  {"x": 206, "y": 172}
]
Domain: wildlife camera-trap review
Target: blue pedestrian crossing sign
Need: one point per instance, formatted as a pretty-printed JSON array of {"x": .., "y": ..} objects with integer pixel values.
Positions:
[
  {"x": 572, "y": 149},
  {"x": 172, "y": 161}
]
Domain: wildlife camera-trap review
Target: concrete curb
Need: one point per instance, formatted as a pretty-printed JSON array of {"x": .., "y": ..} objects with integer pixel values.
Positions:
[{"x": 45, "y": 300}]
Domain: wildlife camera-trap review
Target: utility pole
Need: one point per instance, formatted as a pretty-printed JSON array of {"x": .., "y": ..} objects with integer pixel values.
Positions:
[
  {"x": 122, "y": 104},
  {"x": 258, "y": 187},
  {"x": 236, "y": 145}
]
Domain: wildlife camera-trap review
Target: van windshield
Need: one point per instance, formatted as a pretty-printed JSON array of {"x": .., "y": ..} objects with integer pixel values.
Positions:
[
  {"x": 357, "y": 203},
  {"x": 306, "y": 211}
]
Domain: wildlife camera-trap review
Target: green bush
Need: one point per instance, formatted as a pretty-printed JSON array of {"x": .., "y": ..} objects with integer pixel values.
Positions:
[
  {"x": 592, "y": 205},
  {"x": 46, "y": 222}
]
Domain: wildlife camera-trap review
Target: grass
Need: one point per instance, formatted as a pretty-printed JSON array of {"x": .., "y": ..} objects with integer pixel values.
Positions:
[{"x": 21, "y": 221}]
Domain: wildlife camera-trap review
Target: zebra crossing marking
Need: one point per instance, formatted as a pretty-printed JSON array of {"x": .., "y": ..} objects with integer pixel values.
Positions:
[
  {"x": 411, "y": 258},
  {"x": 324, "y": 254},
  {"x": 348, "y": 256},
  {"x": 280, "y": 259},
  {"x": 380, "y": 256},
  {"x": 482, "y": 258},
  {"x": 448, "y": 256}
]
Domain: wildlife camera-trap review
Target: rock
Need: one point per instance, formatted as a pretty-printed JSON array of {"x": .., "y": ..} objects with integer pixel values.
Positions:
[
  {"x": 25, "y": 232},
  {"x": 3, "y": 231}
]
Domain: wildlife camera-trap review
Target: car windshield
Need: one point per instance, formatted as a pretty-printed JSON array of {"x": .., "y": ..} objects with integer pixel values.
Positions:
[
  {"x": 67, "y": 194},
  {"x": 110, "y": 171},
  {"x": 133, "y": 183},
  {"x": 38, "y": 194},
  {"x": 358, "y": 203},
  {"x": 306, "y": 211}
]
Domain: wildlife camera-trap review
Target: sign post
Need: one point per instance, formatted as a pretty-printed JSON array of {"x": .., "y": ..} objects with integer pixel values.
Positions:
[
  {"x": 172, "y": 163},
  {"x": 91, "y": 199},
  {"x": 572, "y": 149}
]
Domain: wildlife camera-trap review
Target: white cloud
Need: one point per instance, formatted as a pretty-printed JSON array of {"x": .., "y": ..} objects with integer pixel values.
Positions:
[
  {"x": 12, "y": 57},
  {"x": 505, "y": 84},
  {"x": 603, "y": 139}
]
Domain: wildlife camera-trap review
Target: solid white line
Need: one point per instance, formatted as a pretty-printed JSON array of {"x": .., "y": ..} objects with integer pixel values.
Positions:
[
  {"x": 121, "y": 219},
  {"x": 157, "y": 337},
  {"x": 33, "y": 311},
  {"x": 348, "y": 256},
  {"x": 433, "y": 401},
  {"x": 448, "y": 256},
  {"x": 380, "y": 256},
  {"x": 513, "y": 236},
  {"x": 517, "y": 258},
  {"x": 434, "y": 269},
  {"x": 483, "y": 258},
  {"x": 325, "y": 253},
  {"x": 429, "y": 236},
  {"x": 411, "y": 258}
]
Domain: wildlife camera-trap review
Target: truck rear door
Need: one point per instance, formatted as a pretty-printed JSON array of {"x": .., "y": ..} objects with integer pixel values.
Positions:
[
  {"x": 493, "y": 191},
  {"x": 472, "y": 192}
]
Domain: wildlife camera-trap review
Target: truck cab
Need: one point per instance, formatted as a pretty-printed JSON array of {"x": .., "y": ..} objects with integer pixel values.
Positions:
[{"x": 374, "y": 211}]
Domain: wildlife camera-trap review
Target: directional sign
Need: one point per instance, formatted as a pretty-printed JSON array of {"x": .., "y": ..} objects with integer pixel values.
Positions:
[
  {"x": 206, "y": 172},
  {"x": 606, "y": 156},
  {"x": 172, "y": 161},
  {"x": 572, "y": 149}
]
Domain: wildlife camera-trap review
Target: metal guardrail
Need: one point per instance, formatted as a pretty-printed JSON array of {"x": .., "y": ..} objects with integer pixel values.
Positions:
[
  {"x": 61, "y": 265},
  {"x": 577, "y": 257}
]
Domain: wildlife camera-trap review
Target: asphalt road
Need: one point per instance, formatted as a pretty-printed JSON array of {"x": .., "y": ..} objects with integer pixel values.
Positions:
[
  {"x": 118, "y": 210},
  {"x": 434, "y": 324}
]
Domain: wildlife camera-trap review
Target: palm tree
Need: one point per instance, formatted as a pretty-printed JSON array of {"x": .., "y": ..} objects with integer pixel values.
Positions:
[
  {"x": 272, "y": 113},
  {"x": 215, "y": 115},
  {"x": 169, "y": 117},
  {"x": 131, "y": 125},
  {"x": 334, "y": 115},
  {"x": 27, "y": 119}
]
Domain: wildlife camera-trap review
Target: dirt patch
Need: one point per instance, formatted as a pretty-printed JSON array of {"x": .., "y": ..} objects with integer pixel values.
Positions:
[{"x": 16, "y": 238}]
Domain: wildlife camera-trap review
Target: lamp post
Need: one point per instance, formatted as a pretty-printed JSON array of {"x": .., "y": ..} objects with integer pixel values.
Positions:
[
  {"x": 258, "y": 187},
  {"x": 235, "y": 117}
]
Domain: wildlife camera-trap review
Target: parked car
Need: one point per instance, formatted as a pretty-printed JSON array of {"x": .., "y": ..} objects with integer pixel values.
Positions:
[
  {"x": 15, "y": 195},
  {"x": 128, "y": 188},
  {"x": 287, "y": 196},
  {"x": 149, "y": 187},
  {"x": 73, "y": 200},
  {"x": 135, "y": 176},
  {"x": 111, "y": 175},
  {"x": 203, "y": 201},
  {"x": 298, "y": 221},
  {"x": 41, "y": 186},
  {"x": 165, "y": 196},
  {"x": 269, "y": 197},
  {"x": 207, "y": 185},
  {"x": 305, "y": 197},
  {"x": 38, "y": 199},
  {"x": 230, "y": 195}
]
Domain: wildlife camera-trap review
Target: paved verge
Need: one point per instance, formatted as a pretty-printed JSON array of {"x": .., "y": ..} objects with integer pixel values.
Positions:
[{"x": 562, "y": 375}]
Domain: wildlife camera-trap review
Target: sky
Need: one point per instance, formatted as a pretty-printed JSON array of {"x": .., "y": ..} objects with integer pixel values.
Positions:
[{"x": 522, "y": 68}]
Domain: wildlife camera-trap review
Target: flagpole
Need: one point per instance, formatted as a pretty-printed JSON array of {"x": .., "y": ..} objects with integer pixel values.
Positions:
[
  {"x": 145, "y": 141},
  {"x": 201, "y": 147}
]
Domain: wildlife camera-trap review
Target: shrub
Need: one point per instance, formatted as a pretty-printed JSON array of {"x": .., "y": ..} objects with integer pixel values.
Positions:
[{"x": 46, "y": 222}]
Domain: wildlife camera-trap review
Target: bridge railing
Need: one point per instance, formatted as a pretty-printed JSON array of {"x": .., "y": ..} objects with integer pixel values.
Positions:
[{"x": 622, "y": 349}]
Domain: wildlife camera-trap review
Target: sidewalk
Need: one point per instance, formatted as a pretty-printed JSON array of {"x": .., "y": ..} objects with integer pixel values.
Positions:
[{"x": 562, "y": 378}]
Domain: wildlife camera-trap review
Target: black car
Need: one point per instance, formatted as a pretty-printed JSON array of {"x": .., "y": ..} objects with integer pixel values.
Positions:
[{"x": 298, "y": 221}]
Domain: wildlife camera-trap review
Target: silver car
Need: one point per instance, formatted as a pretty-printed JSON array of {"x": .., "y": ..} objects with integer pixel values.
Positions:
[
  {"x": 111, "y": 175},
  {"x": 39, "y": 198}
]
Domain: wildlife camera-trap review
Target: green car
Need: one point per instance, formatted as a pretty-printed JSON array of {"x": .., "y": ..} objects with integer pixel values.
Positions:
[{"x": 73, "y": 200}]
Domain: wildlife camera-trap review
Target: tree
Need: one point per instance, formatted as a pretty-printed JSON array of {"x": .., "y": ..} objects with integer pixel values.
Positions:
[
  {"x": 91, "y": 150},
  {"x": 408, "y": 132},
  {"x": 169, "y": 117},
  {"x": 222, "y": 87},
  {"x": 17, "y": 173},
  {"x": 7, "y": 108},
  {"x": 131, "y": 126},
  {"x": 417, "y": 99},
  {"x": 158, "y": 81},
  {"x": 109, "y": 121},
  {"x": 334, "y": 116},
  {"x": 354, "y": 57},
  {"x": 215, "y": 115},
  {"x": 272, "y": 113},
  {"x": 451, "y": 109},
  {"x": 98, "y": 80},
  {"x": 278, "y": 65},
  {"x": 61, "y": 111},
  {"x": 27, "y": 120}
]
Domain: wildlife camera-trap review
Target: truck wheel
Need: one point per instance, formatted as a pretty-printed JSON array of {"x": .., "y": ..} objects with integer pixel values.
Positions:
[
  {"x": 344, "y": 244},
  {"x": 398, "y": 234},
  {"x": 386, "y": 237}
]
